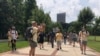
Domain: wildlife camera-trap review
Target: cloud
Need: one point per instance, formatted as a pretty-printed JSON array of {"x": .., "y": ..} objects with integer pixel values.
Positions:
[
  {"x": 95, "y": 5},
  {"x": 71, "y": 7}
]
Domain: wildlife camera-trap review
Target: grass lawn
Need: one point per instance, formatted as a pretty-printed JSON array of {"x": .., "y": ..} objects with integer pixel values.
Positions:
[
  {"x": 20, "y": 44},
  {"x": 94, "y": 44}
]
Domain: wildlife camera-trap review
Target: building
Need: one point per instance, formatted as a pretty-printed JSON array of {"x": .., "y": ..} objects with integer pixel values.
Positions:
[{"x": 61, "y": 17}]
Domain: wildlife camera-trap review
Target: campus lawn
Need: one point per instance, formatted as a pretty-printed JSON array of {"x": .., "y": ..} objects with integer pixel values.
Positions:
[
  {"x": 4, "y": 46},
  {"x": 94, "y": 44}
]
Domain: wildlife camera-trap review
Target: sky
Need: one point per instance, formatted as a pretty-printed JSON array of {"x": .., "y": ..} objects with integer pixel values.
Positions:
[{"x": 70, "y": 7}]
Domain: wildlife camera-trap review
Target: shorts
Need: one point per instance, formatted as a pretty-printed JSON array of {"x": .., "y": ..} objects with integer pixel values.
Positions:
[
  {"x": 33, "y": 44},
  {"x": 84, "y": 42},
  {"x": 13, "y": 41},
  {"x": 58, "y": 43},
  {"x": 74, "y": 39}
]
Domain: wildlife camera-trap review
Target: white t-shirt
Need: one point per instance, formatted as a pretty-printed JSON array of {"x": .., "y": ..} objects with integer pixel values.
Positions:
[
  {"x": 14, "y": 34},
  {"x": 84, "y": 35}
]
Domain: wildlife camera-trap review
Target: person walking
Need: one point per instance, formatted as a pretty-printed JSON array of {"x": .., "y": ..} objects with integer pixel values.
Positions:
[
  {"x": 59, "y": 37},
  {"x": 74, "y": 39},
  {"x": 14, "y": 35},
  {"x": 9, "y": 37},
  {"x": 33, "y": 39},
  {"x": 52, "y": 38},
  {"x": 84, "y": 34},
  {"x": 41, "y": 36},
  {"x": 70, "y": 38},
  {"x": 65, "y": 37}
]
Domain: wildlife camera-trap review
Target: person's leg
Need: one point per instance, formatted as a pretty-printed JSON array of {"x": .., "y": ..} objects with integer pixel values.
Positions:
[
  {"x": 52, "y": 43},
  {"x": 60, "y": 45},
  {"x": 12, "y": 45},
  {"x": 30, "y": 52},
  {"x": 69, "y": 41},
  {"x": 15, "y": 44},
  {"x": 80, "y": 43},
  {"x": 82, "y": 46},
  {"x": 57, "y": 45},
  {"x": 73, "y": 43},
  {"x": 33, "y": 51},
  {"x": 74, "y": 40},
  {"x": 64, "y": 41},
  {"x": 40, "y": 45},
  {"x": 85, "y": 44}
]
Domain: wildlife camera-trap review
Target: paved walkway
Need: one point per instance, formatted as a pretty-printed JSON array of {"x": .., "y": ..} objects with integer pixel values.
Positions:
[{"x": 67, "y": 50}]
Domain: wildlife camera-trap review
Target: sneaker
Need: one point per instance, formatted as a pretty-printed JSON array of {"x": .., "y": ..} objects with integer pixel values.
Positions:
[
  {"x": 60, "y": 48},
  {"x": 57, "y": 48},
  {"x": 84, "y": 53}
]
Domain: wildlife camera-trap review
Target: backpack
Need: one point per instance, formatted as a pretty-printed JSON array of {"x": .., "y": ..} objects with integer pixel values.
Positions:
[{"x": 28, "y": 33}]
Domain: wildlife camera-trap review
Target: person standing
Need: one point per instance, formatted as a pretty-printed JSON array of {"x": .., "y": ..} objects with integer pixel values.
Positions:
[
  {"x": 14, "y": 35},
  {"x": 33, "y": 39},
  {"x": 59, "y": 37},
  {"x": 84, "y": 34}
]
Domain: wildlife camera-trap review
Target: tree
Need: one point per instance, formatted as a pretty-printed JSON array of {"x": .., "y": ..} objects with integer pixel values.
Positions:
[
  {"x": 4, "y": 14},
  {"x": 11, "y": 13},
  {"x": 30, "y": 5},
  {"x": 96, "y": 28},
  {"x": 40, "y": 17},
  {"x": 75, "y": 26},
  {"x": 85, "y": 16}
]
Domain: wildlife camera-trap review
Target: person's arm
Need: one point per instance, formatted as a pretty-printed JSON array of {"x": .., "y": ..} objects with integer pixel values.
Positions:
[
  {"x": 79, "y": 35},
  {"x": 88, "y": 33},
  {"x": 8, "y": 34},
  {"x": 16, "y": 34}
]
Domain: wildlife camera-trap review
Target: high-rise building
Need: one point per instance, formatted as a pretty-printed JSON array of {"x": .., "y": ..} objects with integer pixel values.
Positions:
[{"x": 61, "y": 17}]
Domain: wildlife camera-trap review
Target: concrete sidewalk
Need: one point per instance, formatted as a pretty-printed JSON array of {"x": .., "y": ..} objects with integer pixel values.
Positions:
[{"x": 67, "y": 50}]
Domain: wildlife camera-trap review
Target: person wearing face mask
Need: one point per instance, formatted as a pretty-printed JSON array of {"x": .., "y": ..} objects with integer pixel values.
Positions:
[
  {"x": 83, "y": 34},
  {"x": 14, "y": 35}
]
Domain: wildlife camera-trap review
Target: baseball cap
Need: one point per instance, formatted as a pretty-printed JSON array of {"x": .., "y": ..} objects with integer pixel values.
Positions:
[{"x": 33, "y": 22}]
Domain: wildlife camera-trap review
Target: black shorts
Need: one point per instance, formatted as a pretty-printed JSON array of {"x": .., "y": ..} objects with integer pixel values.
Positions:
[
  {"x": 13, "y": 41},
  {"x": 74, "y": 39}
]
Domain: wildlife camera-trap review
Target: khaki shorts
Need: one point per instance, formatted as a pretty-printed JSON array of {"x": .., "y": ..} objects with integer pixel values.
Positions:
[
  {"x": 84, "y": 42},
  {"x": 58, "y": 43},
  {"x": 33, "y": 44}
]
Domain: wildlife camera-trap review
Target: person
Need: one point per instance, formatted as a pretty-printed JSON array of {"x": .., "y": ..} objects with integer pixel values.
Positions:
[
  {"x": 14, "y": 35},
  {"x": 48, "y": 37},
  {"x": 84, "y": 34},
  {"x": 9, "y": 37},
  {"x": 41, "y": 36},
  {"x": 65, "y": 38},
  {"x": 74, "y": 38},
  {"x": 52, "y": 38},
  {"x": 33, "y": 39},
  {"x": 70, "y": 38},
  {"x": 59, "y": 37}
]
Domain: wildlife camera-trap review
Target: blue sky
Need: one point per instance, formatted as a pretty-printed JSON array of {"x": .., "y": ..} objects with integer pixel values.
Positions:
[{"x": 71, "y": 7}]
